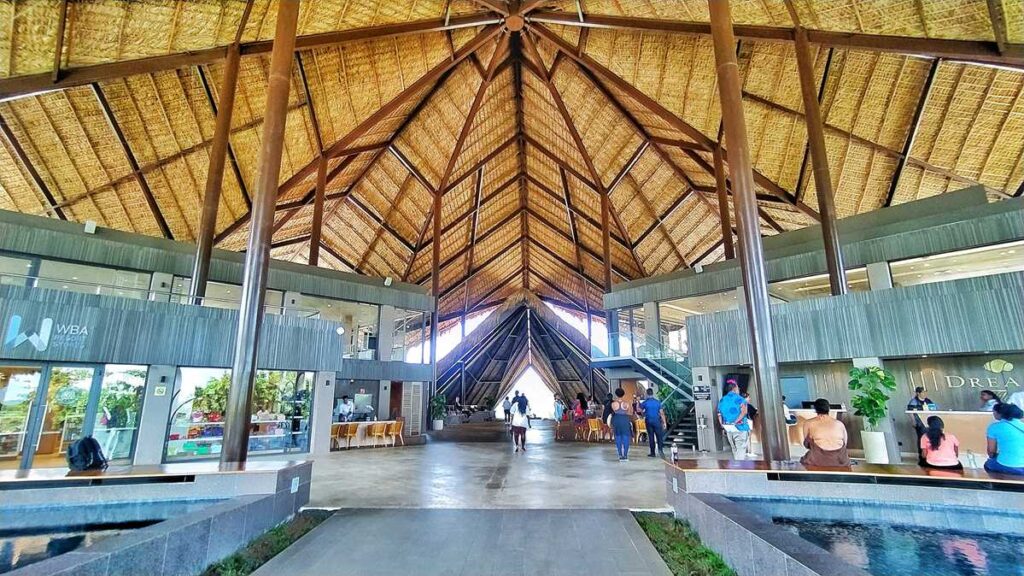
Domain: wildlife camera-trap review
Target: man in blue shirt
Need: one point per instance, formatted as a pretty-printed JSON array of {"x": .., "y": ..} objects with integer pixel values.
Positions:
[
  {"x": 654, "y": 415},
  {"x": 732, "y": 416}
]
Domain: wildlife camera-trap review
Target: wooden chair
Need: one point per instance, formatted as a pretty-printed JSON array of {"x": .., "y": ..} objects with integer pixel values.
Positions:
[
  {"x": 399, "y": 425},
  {"x": 349, "y": 431},
  {"x": 594, "y": 427},
  {"x": 641, "y": 429},
  {"x": 336, "y": 429},
  {"x": 379, "y": 430},
  {"x": 393, "y": 432}
]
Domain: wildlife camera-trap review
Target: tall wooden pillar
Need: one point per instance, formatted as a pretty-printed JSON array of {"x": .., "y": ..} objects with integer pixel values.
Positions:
[
  {"x": 767, "y": 392},
  {"x": 723, "y": 205},
  {"x": 257, "y": 257},
  {"x": 214, "y": 177},
  {"x": 435, "y": 282},
  {"x": 819, "y": 160}
]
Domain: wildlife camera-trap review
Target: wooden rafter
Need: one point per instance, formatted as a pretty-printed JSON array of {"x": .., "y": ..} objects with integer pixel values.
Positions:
[
  {"x": 207, "y": 89},
  {"x": 915, "y": 125},
  {"x": 37, "y": 179}
]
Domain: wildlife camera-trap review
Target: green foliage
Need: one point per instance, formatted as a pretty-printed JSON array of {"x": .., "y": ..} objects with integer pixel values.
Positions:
[
  {"x": 871, "y": 387},
  {"x": 680, "y": 547},
  {"x": 438, "y": 407},
  {"x": 65, "y": 404},
  {"x": 673, "y": 406},
  {"x": 270, "y": 544},
  {"x": 214, "y": 396}
]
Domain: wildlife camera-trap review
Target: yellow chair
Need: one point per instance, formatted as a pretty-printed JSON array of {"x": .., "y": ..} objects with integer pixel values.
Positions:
[
  {"x": 398, "y": 426},
  {"x": 336, "y": 429},
  {"x": 379, "y": 430},
  {"x": 594, "y": 427},
  {"x": 641, "y": 428},
  {"x": 348, "y": 432}
]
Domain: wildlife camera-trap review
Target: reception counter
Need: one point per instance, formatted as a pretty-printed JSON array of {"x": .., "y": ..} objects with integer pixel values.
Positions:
[{"x": 968, "y": 427}]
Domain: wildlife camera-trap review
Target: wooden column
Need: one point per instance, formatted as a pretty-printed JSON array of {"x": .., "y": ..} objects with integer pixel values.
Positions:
[
  {"x": 318, "y": 212},
  {"x": 435, "y": 283},
  {"x": 766, "y": 369},
  {"x": 214, "y": 177},
  {"x": 257, "y": 257},
  {"x": 723, "y": 204},
  {"x": 819, "y": 160}
]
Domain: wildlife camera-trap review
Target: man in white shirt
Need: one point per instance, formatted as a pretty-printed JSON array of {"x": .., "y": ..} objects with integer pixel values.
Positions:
[
  {"x": 346, "y": 409},
  {"x": 1017, "y": 398},
  {"x": 507, "y": 407}
]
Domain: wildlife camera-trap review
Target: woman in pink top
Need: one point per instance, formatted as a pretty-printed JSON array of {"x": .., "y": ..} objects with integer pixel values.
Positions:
[{"x": 938, "y": 449}]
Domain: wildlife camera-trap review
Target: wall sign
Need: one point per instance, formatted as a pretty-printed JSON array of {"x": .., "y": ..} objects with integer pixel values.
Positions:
[
  {"x": 701, "y": 392},
  {"x": 48, "y": 334}
]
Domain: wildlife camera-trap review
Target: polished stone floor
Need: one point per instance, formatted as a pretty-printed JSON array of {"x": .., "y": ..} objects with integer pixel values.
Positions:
[
  {"x": 471, "y": 542},
  {"x": 456, "y": 473}
]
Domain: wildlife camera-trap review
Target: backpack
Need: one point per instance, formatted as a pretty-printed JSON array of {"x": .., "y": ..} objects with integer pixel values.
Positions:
[{"x": 86, "y": 454}]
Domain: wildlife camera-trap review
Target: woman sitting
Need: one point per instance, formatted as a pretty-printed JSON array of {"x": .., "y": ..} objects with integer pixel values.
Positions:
[
  {"x": 825, "y": 438},
  {"x": 1006, "y": 440},
  {"x": 938, "y": 449}
]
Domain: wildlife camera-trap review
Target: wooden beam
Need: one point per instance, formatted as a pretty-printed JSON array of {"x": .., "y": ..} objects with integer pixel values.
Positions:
[
  {"x": 132, "y": 162},
  {"x": 230, "y": 151},
  {"x": 481, "y": 163},
  {"x": 723, "y": 205},
  {"x": 915, "y": 125},
  {"x": 83, "y": 75},
  {"x": 970, "y": 50},
  {"x": 472, "y": 240},
  {"x": 58, "y": 49},
  {"x": 37, "y": 179},
  {"x": 495, "y": 5},
  {"x": 317, "y": 225},
  {"x": 998, "y": 18},
  {"x": 411, "y": 168},
  {"x": 558, "y": 160}
]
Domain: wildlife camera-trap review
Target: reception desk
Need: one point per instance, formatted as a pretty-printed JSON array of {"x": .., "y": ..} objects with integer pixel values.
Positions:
[
  {"x": 968, "y": 427},
  {"x": 796, "y": 431}
]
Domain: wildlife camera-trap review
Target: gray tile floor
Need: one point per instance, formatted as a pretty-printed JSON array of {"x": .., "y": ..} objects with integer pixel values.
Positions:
[{"x": 372, "y": 542}]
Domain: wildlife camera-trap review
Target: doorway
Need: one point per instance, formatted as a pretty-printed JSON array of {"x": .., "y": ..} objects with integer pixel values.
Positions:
[{"x": 45, "y": 407}]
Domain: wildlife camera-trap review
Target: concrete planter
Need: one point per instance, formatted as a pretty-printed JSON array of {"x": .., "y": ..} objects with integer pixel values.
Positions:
[
  {"x": 875, "y": 451},
  {"x": 438, "y": 425}
]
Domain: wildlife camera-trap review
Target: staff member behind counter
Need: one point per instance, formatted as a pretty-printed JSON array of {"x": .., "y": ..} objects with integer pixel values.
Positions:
[{"x": 920, "y": 402}]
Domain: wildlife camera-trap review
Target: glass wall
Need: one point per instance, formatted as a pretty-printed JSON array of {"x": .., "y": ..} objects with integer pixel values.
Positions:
[
  {"x": 15, "y": 271},
  {"x": 409, "y": 333},
  {"x": 361, "y": 322},
  {"x": 223, "y": 295},
  {"x": 815, "y": 286},
  {"x": 116, "y": 424},
  {"x": 985, "y": 261},
  {"x": 73, "y": 277},
  {"x": 673, "y": 315},
  {"x": 280, "y": 413}
]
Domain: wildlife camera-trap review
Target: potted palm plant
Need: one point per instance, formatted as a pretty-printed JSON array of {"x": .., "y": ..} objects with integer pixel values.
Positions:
[
  {"x": 871, "y": 387},
  {"x": 438, "y": 409}
]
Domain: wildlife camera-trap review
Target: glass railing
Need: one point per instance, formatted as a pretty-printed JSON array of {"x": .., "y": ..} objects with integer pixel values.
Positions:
[
  {"x": 671, "y": 364},
  {"x": 136, "y": 293}
]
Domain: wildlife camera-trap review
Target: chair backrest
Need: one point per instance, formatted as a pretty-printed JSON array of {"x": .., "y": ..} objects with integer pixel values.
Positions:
[
  {"x": 390, "y": 428},
  {"x": 594, "y": 424},
  {"x": 336, "y": 429},
  {"x": 378, "y": 428},
  {"x": 398, "y": 427},
  {"x": 351, "y": 430},
  {"x": 641, "y": 425}
]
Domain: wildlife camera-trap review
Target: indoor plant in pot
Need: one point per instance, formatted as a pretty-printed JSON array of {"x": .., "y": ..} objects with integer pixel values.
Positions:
[
  {"x": 871, "y": 387},
  {"x": 438, "y": 409}
]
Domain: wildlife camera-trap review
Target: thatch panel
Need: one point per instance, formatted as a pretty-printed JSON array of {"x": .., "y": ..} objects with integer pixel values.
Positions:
[
  {"x": 657, "y": 253},
  {"x": 584, "y": 198},
  {"x": 860, "y": 176},
  {"x": 327, "y": 260},
  {"x": 607, "y": 136},
  {"x": 556, "y": 273},
  {"x": 495, "y": 272},
  {"x": 382, "y": 184},
  {"x": 236, "y": 240},
  {"x": 390, "y": 257},
  {"x": 785, "y": 216},
  {"x": 384, "y": 130},
  {"x": 295, "y": 226},
  {"x": 493, "y": 125},
  {"x": 348, "y": 231},
  {"x": 676, "y": 70},
  {"x": 543, "y": 122},
  {"x": 593, "y": 268},
  {"x": 1013, "y": 12},
  {"x": 622, "y": 260},
  {"x": 693, "y": 227},
  {"x": 543, "y": 169},
  {"x": 497, "y": 209},
  {"x": 550, "y": 209},
  {"x": 771, "y": 72},
  {"x": 350, "y": 82},
  {"x": 28, "y": 37},
  {"x": 17, "y": 192},
  {"x": 777, "y": 140},
  {"x": 411, "y": 214},
  {"x": 458, "y": 200},
  {"x": 552, "y": 239},
  {"x": 510, "y": 290},
  {"x": 290, "y": 253},
  {"x": 420, "y": 271},
  {"x": 763, "y": 12},
  {"x": 633, "y": 213},
  {"x": 455, "y": 239},
  {"x": 429, "y": 139},
  {"x": 454, "y": 273},
  {"x": 959, "y": 20},
  {"x": 496, "y": 241},
  {"x": 590, "y": 238},
  {"x": 328, "y": 15},
  {"x": 917, "y": 182},
  {"x": 657, "y": 181},
  {"x": 499, "y": 170},
  {"x": 452, "y": 302},
  {"x": 716, "y": 255},
  {"x": 688, "y": 166},
  {"x": 973, "y": 124}
]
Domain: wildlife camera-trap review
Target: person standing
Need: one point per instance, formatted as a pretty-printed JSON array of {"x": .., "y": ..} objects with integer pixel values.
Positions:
[
  {"x": 654, "y": 416},
  {"x": 732, "y": 416},
  {"x": 519, "y": 423},
  {"x": 919, "y": 402},
  {"x": 507, "y": 407},
  {"x": 559, "y": 408},
  {"x": 620, "y": 420},
  {"x": 988, "y": 400}
]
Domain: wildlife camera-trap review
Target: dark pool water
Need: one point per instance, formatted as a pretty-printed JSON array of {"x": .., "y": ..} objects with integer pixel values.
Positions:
[
  {"x": 887, "y": 550},
  {"x": 21, "y": 548}
]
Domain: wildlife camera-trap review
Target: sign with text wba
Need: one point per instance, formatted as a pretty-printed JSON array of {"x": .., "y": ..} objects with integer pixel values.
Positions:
[{"x": 43, "y": 335}]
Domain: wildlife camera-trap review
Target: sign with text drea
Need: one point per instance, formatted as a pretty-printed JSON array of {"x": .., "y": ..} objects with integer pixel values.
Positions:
[
  {"x": 29, "y": 335},
  {"x": 967, "y": 373}
]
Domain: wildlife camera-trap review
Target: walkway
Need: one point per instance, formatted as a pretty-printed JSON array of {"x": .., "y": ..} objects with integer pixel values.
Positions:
[
  {"x": 489, "y": 475},
  {"x": 471, "y": 542}
]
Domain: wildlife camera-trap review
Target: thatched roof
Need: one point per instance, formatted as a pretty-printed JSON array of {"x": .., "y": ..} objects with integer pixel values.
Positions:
[{"x": 110, "y": 105}]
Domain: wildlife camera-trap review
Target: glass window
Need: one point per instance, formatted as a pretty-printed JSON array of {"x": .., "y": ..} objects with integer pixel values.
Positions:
[
  {"x": 15, "y": 271},
  {"x": 815, "y": 286},
  {"x": 984, "y": 261},
  {"x": 223, "y": 295},
  {"x": 673, "y": 315},
  {"x": 280, "y": 413},
  {"x": 359, "y": 320},
  {"x": 93, "y": 279},
  {"x": 407, "y": 336},
  {"x": 120, "y": 404}
]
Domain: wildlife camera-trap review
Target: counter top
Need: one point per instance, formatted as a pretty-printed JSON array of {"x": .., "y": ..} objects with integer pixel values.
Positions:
[
  {"x": 963, "y": 412},
  {"x": 876, "y": 470},
  {"x": 176, "y": 469}
]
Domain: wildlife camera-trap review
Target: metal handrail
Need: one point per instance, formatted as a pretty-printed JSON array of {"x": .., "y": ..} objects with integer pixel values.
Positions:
[{"x": 150, "y": 294}]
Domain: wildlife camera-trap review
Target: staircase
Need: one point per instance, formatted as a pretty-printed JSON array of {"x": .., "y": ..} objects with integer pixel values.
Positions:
[{"x": 684, "y": 433}]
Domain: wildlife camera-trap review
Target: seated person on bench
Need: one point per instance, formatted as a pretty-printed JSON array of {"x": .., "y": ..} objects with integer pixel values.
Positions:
[
  {"x": 1006, "y": 440},
  {"x": 825, "y": 438}
]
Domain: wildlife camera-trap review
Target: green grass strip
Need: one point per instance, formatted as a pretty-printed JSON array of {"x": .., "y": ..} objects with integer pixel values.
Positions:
[
  {"x": 270, "y": 544},
  {"x": 680, "y": 546}
]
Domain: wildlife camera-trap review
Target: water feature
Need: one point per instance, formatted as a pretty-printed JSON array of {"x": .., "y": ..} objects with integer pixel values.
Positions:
[
  {"x": 23, "y": 547},
  {"x": 901, "y": 539}
]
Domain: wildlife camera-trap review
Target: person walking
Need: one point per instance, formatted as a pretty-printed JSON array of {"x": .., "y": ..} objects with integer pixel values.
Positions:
[
  {"x": 620, "y": 420},
  {"x": 506, "y": 406},
  {"x": 732, "y": 416},
  {"x": 654, "y": 416},
  {"x": 519, "y": 423},
  {"x": 559, "y": 408}
]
